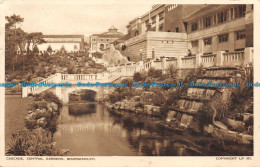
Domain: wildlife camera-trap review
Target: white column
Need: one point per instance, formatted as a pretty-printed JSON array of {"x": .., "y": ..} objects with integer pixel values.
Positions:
[
  {"x": 219, "y": 58},
  {"x": 198, "y": 59},
  {"x": 157, "y": 22},
  {"x": 249, "y": 55},
  {"x": 24, "y": 91}
]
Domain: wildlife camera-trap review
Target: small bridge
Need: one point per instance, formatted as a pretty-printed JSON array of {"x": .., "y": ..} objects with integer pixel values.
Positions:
[{"x": 115, "y": 74}]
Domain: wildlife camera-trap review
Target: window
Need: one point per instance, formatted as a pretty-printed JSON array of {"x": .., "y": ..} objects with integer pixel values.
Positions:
[
  {"x": 223, "y": 38},
  {"x": 240, "y": 11},
  {"x": 240, "y": 49},
  {"x": 146, "y": 22},
  {"x": 194, "y": 43},
  {"x": 153, "y": 20},
  {"x": 177, "y": 29},
  {"x": 161, "y": 28},
  {"x": 107, "y": 39},
  {"x": 136, "y": 33},
  {"x": 101, "y": 47},
  {"x": 220, "y": 17},
  {"x": 101, "y": 39},
  {"x": 194, "y": 26},
  {"x": 207, "y": 22},
  {"x": 241, "y": 34},
  {"x": 93, "y": 39},
  {"x": 161, "y": 16},
  {"x": 207, "y": 41}
]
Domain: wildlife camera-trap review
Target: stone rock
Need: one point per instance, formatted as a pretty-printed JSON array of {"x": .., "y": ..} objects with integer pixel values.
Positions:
[
  {"x": 245, "y": 139},
  {"x": 247, "y": 116},
  {"x": 209, "y": 129},
  {"x": 156, "y": 109},
  {"x": 235, "y": 124},
  {"x": 148, "y": 109},
  {"x": 138, "y": 110},
  {"x": 30, "y": 116},
  {"x": 54, "y": 106},
  {"x": 42, "y": 122}
]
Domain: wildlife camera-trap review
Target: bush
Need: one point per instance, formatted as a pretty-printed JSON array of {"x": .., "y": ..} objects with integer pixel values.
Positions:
[
  {"x": 138, "y": 77},
  {"x": 37, "y": 105},
  {"x": 37, "y": 142},
  {"x": 154, "y": 73},
  {"x": 49, "y": 97}
]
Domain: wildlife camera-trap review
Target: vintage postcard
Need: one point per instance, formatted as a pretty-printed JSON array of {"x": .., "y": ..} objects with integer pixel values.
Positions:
[{"x": 129, "y": 83}]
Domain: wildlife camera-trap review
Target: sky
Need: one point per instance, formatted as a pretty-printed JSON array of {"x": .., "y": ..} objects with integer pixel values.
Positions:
[{"x": 79, "y": 17}]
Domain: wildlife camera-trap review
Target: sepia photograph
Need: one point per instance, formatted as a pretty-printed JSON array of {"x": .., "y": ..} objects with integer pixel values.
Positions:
[{"x": 137, "y": 80}]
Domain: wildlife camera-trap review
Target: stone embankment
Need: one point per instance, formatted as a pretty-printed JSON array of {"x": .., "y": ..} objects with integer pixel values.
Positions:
[{"x": 191, "y": 110}]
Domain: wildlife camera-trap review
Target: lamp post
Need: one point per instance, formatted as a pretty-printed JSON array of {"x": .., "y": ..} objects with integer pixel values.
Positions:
[
  {"x": 141, "y": 54},
  {"x": 153, "y": 55}
]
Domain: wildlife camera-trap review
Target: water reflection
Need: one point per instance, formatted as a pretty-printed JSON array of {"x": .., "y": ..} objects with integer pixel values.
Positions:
[{"x": 100, "y": 133}]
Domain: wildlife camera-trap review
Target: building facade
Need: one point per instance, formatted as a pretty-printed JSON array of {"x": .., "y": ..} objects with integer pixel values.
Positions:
[
  {"x": 179, "y": 30},
  {"x": 69, "y": 43},
  {"x": 220, "y": 28},
  {"x": 99, "y": 42}
]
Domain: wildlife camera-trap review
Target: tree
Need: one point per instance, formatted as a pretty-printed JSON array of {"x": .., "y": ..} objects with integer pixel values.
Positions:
[
  {"x": 62, "y": 49},
  {"x": 14, "y": 39},
  {"x": 35, "y": 49},
  {"x": 49, "y": 49},
  {"x": 34, "y": 38}
]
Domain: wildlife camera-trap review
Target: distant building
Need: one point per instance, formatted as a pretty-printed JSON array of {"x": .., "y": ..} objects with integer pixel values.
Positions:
[
  {"x": 171, "y": 30},
  {"x": 70, "y": 43},
  {"x": 99, "y": 42}
]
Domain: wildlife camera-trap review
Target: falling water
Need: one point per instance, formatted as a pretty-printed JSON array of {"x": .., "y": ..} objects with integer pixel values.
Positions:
[{"x": 186, "y": 120}]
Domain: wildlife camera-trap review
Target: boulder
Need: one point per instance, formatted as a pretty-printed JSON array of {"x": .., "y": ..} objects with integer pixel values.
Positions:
[
  {"x": 54, "y": 106},
  {"x": 156, "y": 110},
  {"x": 42, "y": 122},
  {"x": 148, "y": 109},
  {"x": 235, "y": 124},
  {"x": 209, "y": 129}
]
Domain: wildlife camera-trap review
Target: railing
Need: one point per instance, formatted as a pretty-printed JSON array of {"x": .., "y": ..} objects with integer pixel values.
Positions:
[
  {"x": 39, "y": 89},
  {"x": 188, "y": 62},
  {"x": 147, "y": 65},
  {"x": 69, "y": 77},
  {"x": 233, "y": 58},
  {"x": 208, "y": 60}
]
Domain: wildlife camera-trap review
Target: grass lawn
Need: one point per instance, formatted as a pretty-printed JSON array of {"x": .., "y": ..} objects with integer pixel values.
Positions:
[{"x": 15, "y": 112}]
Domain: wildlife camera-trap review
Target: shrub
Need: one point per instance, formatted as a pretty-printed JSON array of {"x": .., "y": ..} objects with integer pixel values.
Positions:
[
  {"x": 37, "y": 105},
  {"x": 154, "y": 73},
  {"x": 49, "y": 97},
  {"x": 138, "y": 77},
  {"x": 37, "y": 142},
  {"x": 158, "y": 98}
]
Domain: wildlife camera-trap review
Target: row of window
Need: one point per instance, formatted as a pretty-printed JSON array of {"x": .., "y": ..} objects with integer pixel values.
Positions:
[
  {"x": 221, "y": 38},
  {"x": 153, "y": 19},
  {"x": 100, "y": 39},
  {"x": 220, "y": 17}
]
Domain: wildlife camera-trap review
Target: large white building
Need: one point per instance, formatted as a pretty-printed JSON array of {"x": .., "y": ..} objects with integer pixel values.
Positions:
[{"x": 70, "y": 43}]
